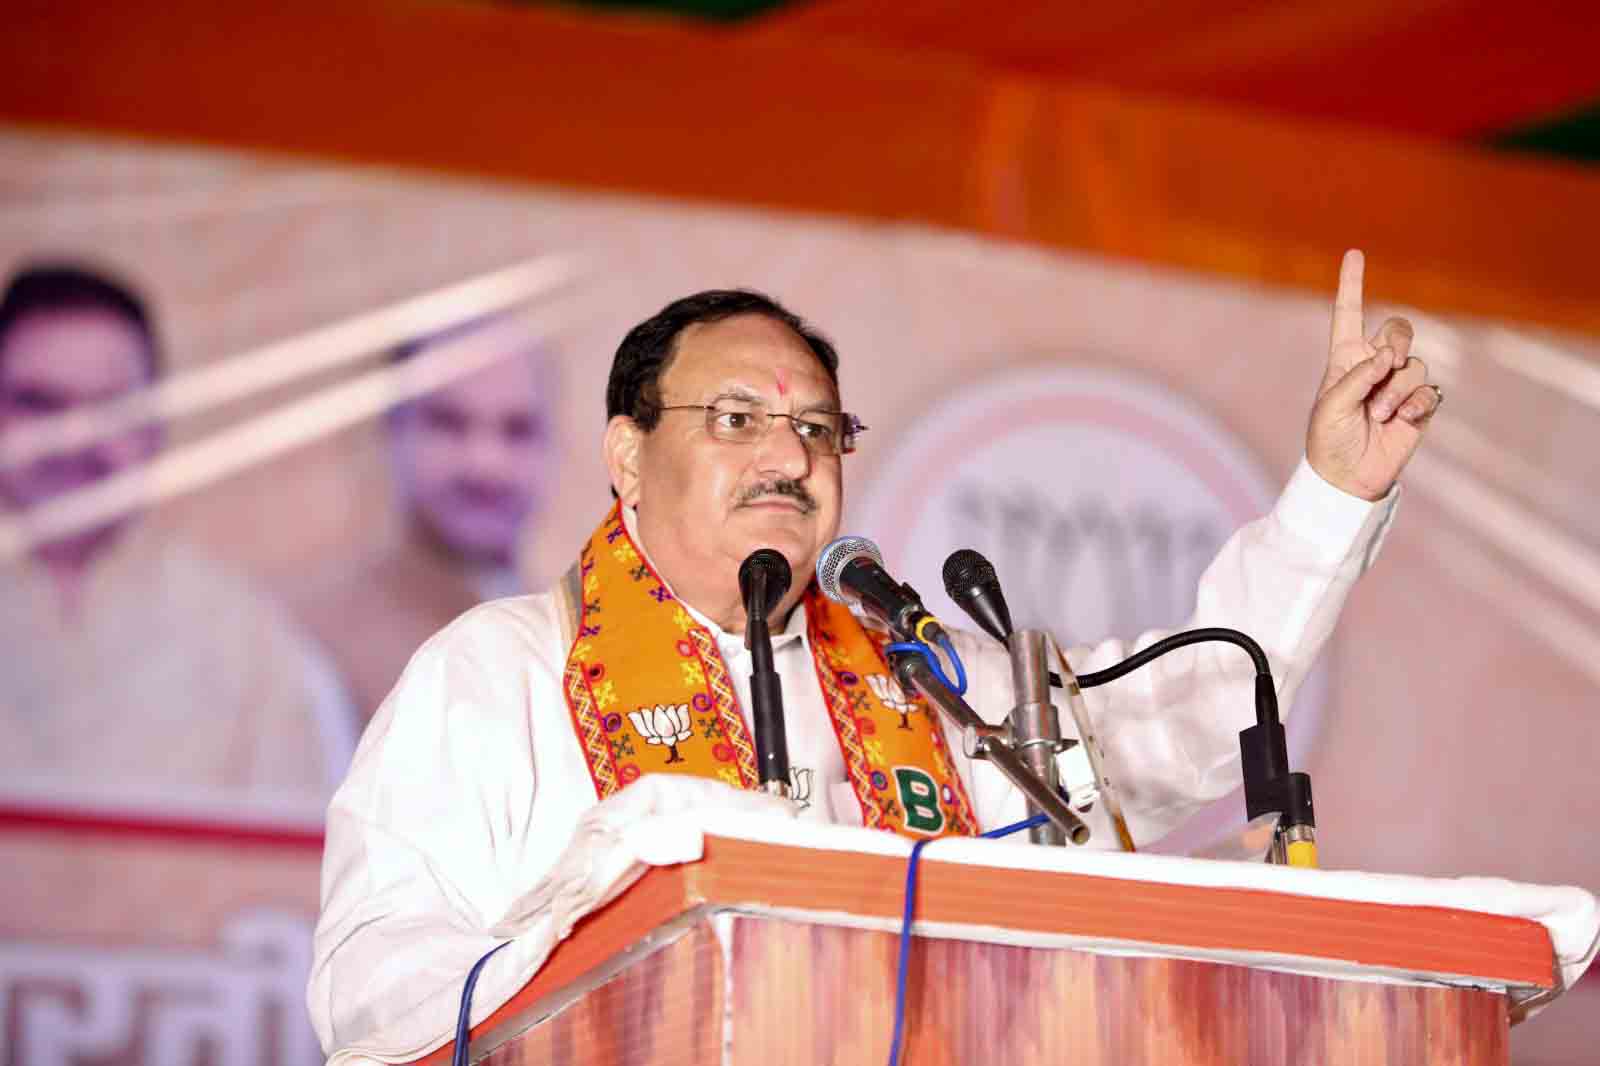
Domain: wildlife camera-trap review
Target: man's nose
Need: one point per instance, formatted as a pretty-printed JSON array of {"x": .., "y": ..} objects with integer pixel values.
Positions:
[{"x": 782, "y": 452}]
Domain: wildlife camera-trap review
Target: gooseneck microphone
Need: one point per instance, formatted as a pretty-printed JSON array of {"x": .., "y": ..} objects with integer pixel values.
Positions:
[
  {"x": 850, "y": 571},
  {"x": 970, "y": 581},
  {"x": 764, "y": 579}
]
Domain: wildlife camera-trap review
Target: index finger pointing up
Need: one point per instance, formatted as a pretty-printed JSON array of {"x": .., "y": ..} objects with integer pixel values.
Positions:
[{"x": 1347, "y": 305}]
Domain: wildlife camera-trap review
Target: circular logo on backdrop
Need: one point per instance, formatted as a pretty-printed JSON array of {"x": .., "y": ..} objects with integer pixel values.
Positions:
[{"x": 1099, "y": 497}]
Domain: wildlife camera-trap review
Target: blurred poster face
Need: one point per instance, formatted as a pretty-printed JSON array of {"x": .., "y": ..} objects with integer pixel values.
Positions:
[
  {"x": 471, "y": 459},
  {"x": 52, "y": 363},
  {"x": 471, "y": 463}
]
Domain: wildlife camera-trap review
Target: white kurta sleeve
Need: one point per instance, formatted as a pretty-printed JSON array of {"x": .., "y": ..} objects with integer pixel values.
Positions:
[
  {"x": 433, "y": 833},
  {"x": 1170, "y": 730},
  {"x": 469, "y": 817}
]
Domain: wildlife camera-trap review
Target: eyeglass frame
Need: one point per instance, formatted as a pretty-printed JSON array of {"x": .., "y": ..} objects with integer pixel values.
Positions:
[{"x": 851, "y": 425}]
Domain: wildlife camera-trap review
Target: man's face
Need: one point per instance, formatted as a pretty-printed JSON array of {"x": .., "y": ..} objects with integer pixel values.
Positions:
[
  {"x": 473, "y": 458},
  {"x": 54, "y": 363},
  {"x": 705, "y": 504}
]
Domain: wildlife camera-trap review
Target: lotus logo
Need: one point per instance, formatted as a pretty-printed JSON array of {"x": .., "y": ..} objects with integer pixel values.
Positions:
[
  {"x": 666, "y": 725},
  {"x": 892, "y": 696},
  {"x": 800, "y": 785}
]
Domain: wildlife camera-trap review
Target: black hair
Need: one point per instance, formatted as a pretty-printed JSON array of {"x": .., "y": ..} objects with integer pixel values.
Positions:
[
  {"x": 634, "y": 388},
  {"x": 46, "y": 287}
]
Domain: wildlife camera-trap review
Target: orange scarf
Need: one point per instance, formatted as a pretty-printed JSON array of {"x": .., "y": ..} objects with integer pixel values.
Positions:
[{"x": 649, "y": 693}]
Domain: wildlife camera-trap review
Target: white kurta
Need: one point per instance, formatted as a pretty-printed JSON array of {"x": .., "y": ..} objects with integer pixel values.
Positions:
[
  {"x": 176, "y": 689},
  {"x": 470, "y": 781}
]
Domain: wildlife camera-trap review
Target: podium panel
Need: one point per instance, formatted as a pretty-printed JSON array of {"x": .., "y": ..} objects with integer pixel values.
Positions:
[
  {"x": 802, "y": 994},
  {"x": 809, "y": 994},
  {"x": 771, "y": 954},
  {"x": 665, "y": 1009}
]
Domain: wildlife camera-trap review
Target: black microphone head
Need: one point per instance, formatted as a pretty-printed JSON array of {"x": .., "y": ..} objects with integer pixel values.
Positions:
[
  {"x": 967, "y": 568},
  {"x": 841, "y": 552},
  {"x": 769, "y": 564},
  {"x": 970, "y": 580}
]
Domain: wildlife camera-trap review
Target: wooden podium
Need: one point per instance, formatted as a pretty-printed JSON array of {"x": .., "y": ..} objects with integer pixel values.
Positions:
[{"x": 785, "y": 954}]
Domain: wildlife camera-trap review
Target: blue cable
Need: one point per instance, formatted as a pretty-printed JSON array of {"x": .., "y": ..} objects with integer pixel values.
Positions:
[
  {"x": 961, "y": 670},
  {"x": 1015, "y": 827},
  {"x": 917, "y": 647},
  {"x": 458, "y": 1056},
  {"x": 905, "y": 922}
]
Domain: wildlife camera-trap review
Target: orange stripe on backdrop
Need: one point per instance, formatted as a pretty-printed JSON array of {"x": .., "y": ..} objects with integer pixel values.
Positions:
[
  {"x": 1431, "y": 67},
  {"x": 771, "y": 120}
]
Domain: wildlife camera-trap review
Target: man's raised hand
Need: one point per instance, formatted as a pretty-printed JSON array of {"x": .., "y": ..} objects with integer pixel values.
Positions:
[{"x": 1374, "y": 401}]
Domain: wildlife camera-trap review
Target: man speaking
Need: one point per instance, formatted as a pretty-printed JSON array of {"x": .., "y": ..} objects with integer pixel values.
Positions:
[{"x": 726, "y": 433}]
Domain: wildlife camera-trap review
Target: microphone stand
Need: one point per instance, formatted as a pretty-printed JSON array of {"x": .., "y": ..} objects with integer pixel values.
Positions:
[
  {"x": 766, "y": 688},
  {"x": 1023, "y": 749},
  {"x": 1035, "y": 723},
  {"x": 1270, "y": 789},
  {"x": 981, "y": 740},
  {"x": 970, "y": 581}
]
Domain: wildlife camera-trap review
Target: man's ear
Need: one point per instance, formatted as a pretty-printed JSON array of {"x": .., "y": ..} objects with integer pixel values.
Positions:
[{"x": 622, "y": 443}]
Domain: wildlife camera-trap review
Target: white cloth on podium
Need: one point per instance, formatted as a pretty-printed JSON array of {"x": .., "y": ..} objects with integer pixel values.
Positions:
[
  {"x": 1570, "y": 914},
  {"x": 470, "y": 782},
  {"x": 662, "y": 821},
  {"x": 614, "y": 843}
]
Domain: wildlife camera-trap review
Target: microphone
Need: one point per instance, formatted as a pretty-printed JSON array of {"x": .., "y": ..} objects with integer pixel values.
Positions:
[
  {"x": 764, "y": 579},
  {"x": 970, "y": 581},
  {"x": 850, "y": 571}
]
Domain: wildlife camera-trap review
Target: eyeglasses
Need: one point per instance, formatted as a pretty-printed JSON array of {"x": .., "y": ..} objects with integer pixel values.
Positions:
[{"x": 748, "y": 422}]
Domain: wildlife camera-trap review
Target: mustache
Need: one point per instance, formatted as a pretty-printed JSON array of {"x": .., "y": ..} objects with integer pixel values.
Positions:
[{"x": 780, "y": 487}]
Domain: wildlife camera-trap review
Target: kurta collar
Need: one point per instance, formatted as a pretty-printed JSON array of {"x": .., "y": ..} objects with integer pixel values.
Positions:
[{"x": 793, "y": 630}]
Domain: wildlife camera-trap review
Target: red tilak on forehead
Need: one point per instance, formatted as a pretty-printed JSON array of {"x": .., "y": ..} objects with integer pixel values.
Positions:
[{"x": 783, "y": 380}]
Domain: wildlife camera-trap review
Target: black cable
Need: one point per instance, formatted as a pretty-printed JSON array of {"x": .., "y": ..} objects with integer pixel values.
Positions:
[
  {"x": 1263, "y": 748},
  {"x": 1172, "y": 643},
  {"x": 1266, "y": 693}
]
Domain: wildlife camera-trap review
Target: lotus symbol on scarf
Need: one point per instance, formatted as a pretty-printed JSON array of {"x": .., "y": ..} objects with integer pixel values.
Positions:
[
  {"x": 892, "y": 696},
  {"x": 800, "y": 786},
  {"x": 667, "y": 724}
]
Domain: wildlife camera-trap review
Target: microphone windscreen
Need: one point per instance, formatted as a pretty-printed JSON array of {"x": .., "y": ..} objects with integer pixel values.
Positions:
[
  {"x": 970, "y": 581},
  {"x": 967, "y": 569},
  {"x": 839, "y": 553},
  {"x": 770, "y": 564}
]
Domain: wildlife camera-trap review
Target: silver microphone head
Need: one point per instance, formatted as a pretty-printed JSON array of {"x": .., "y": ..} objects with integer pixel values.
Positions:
[{"x": 840, "y": 553}]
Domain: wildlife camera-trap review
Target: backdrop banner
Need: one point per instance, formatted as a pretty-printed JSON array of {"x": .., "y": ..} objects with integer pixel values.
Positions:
[{"x": 367, "y": 400}]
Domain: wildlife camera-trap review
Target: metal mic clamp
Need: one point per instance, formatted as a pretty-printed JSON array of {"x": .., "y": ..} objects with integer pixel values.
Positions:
[
  {"x": 1035, "y": 723},
  {"x": 1270, "y": 787},
  {"x": 983, "y": 741}
]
